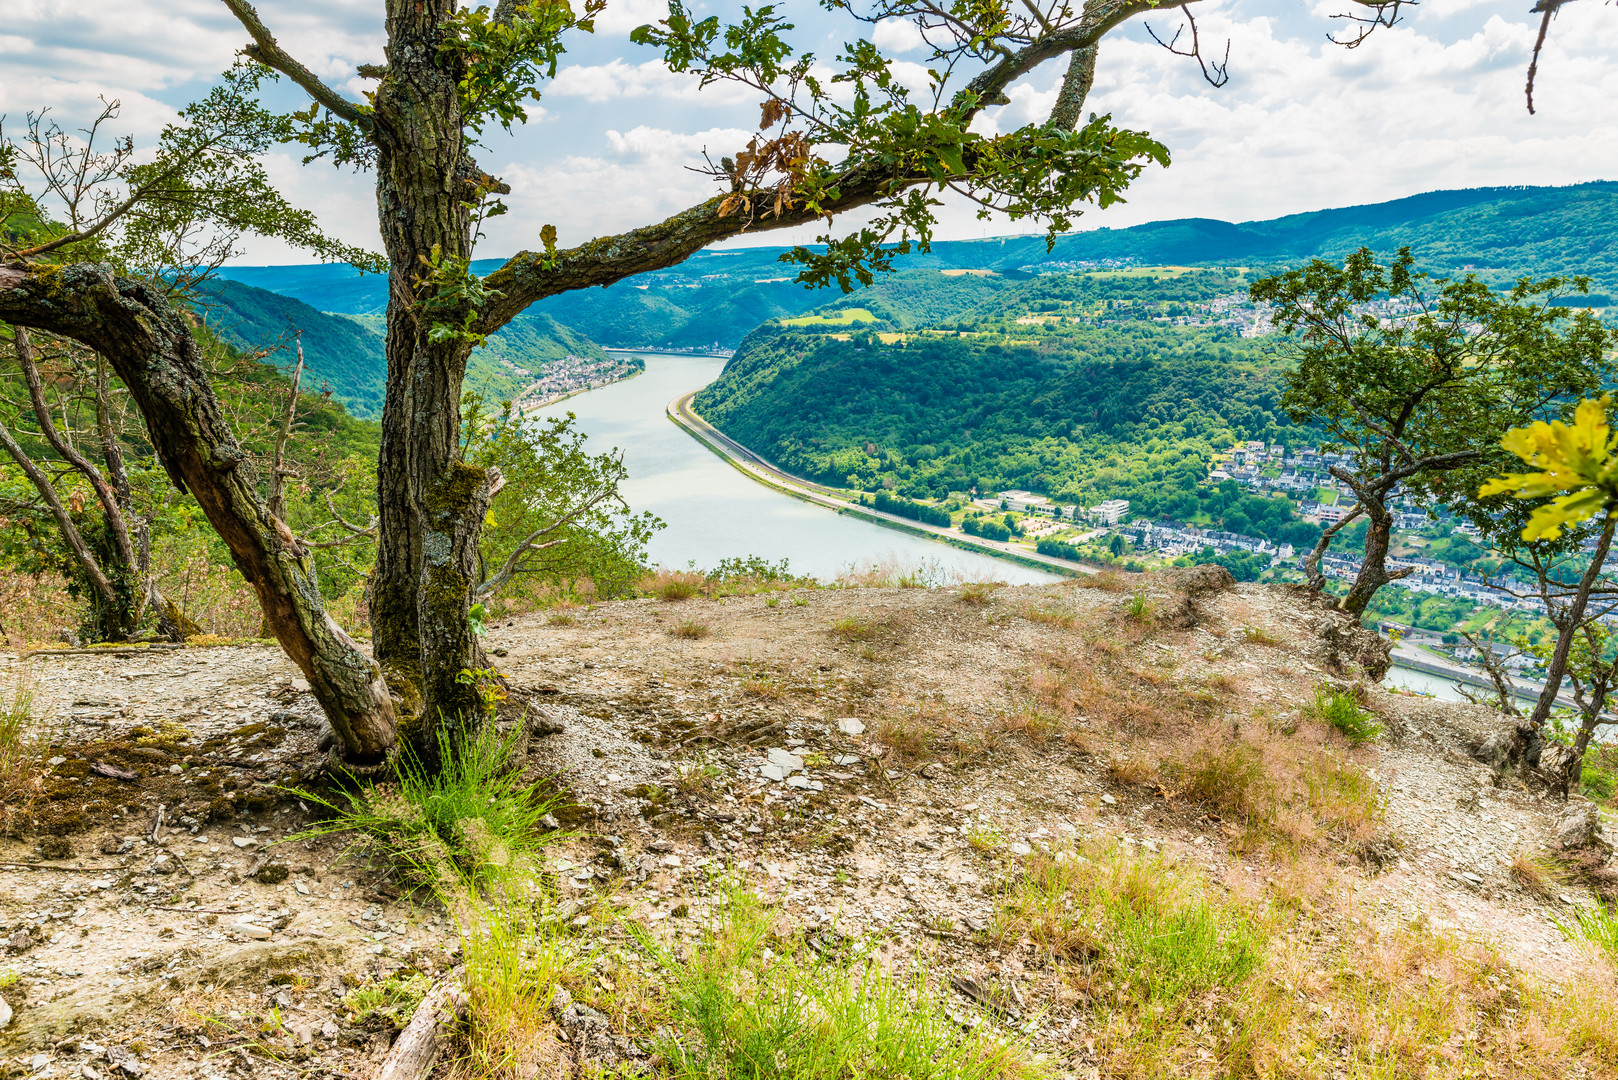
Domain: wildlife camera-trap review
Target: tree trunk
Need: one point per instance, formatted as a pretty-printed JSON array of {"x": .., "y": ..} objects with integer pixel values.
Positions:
[
  {"x": 1566, "y": 631},
  {"x": 150, "y": 346},
  {"x": 1374, "y": 568},
  {"x": 431, "y": 505}
]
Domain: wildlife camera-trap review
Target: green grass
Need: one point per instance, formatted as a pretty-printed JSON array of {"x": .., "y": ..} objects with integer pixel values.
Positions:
[
  {"x": 474, "y": 822},
  {"x": 1342, "y": 711},
  {"x": 1148, "y": 938},
  {"x": 392, "y": 999},
  {"x": 514, "y": 962},
  {"x": 855, "y": 628},
  {"x": 842, "y": 317},
  {"x": 1597, "y": 925},
  {"x": 1138, "y": 607},
  {"x": 744, "y": 1004}
]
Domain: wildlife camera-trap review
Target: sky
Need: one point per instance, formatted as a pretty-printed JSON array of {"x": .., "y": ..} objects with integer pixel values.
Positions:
[{"x": 1436, "y": 102}]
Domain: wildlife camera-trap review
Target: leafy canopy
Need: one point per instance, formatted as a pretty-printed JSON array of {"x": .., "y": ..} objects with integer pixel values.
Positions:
[{"x": 1576, "y": 467}]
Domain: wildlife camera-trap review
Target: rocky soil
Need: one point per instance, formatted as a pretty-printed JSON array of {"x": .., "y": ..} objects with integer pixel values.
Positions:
[{"x": 866, "y": 757}]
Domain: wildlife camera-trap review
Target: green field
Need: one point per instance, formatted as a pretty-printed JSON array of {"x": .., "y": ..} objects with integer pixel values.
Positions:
[{"x": 844, "y": 317}]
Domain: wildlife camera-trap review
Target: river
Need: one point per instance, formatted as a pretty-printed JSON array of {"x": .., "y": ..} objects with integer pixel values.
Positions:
[{"x": 713, "y": 512}]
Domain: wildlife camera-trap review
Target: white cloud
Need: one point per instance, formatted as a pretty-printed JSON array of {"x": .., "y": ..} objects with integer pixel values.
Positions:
[
  {"x": 897, "y": 36},
  {"x": 1435, "y": 102},
  {"x": 616, "y": 80}
]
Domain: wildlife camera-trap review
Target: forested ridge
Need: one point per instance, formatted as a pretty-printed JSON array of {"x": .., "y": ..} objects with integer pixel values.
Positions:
[{"x": 1133, "y": 410}]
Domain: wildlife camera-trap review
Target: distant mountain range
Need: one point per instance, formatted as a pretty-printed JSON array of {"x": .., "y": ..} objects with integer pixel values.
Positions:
[{"x": 716, "y": 297}]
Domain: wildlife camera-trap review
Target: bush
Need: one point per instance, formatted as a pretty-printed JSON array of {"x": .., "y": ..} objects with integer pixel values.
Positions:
[{"x": 1342, "y": 711}]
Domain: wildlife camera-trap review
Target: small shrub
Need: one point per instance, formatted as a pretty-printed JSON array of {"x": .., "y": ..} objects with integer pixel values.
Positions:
[
  {"x": 673, "y": 585},
  {"x": 1139, "y": 607},
  {"x": 1257, "y": 635},
  {"x": 772, "y": 601},
  {"x": 562, "y": 618},
  {"x": 690, "y": 629},
  {"x": 977, "y": 593},
  {"x": 1343, "y": 712},
  {"x": 800, "y": 601}
]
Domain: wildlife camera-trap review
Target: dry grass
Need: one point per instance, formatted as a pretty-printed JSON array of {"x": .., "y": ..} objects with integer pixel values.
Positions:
[
  {"x": 1131, "y": 770},
  {"x": 1539, "y": 872},
  {"x": 1033, "y": 723},
  {"x": 672, "y": 585},
  {"x": 690, "y": 630},
  {"x": 1107, "y": 581},
  {"x": 1257, "y": 635},
  {"x": 978, "y": 593},
  {"x": 764, "y": 686},
  {"x": 1051, "y": 615}
]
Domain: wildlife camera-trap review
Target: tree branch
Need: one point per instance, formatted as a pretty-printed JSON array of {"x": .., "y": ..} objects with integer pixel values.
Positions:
[
  {"x": 70, "y": 454},
  {"x": 268, "y": 52},
  {"x": 530, "y": 543}
]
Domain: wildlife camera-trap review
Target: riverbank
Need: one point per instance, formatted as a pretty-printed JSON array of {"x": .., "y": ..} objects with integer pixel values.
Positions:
[{"x": 758, "y": 469}]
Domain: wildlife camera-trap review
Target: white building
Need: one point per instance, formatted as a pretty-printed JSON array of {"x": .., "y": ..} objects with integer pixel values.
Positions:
[
  {"x": 1025, "y": 502},
  {"x": 1111, "y": 512}
]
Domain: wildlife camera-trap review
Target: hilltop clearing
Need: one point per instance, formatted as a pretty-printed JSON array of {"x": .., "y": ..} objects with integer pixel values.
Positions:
[{"x": 1120, "y": 827}]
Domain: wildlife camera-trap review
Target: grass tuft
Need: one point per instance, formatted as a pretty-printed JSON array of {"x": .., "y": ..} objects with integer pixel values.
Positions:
[
  {"x": 472, "y": 822},
  {"x": 744, "y": 1002},
  {"x": 978, "y": 593},
  {"x": 690, "y": 629}
]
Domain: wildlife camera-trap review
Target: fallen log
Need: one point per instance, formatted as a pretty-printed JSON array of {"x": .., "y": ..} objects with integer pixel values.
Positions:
[{"x": 416, "y": 1049}]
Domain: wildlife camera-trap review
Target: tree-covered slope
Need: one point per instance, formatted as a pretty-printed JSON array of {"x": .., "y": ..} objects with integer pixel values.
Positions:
[
  {"x": 1133, "y": 409},
  {"x": 339, "y": 354},
  {"x": 345, "y": 353}
]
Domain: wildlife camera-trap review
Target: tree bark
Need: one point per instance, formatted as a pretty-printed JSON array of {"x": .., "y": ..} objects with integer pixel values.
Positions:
[
  {"x": 1374, "y": 565},
  {"x": 1565, "y": 632},
  {"x": 150, "y": 346},
  {"x": 430, "y": 505}
]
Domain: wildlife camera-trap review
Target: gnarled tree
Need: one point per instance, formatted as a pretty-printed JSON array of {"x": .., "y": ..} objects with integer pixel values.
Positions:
[{"x": 1418, "y": 380}]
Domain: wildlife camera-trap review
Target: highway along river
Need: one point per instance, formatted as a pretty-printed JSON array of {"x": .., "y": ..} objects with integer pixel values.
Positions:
[{"x": 714, "y": 512}]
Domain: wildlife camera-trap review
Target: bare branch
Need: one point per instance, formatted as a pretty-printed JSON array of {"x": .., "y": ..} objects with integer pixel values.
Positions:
[
  {"x": 70, "y": 454},
  {"x": 531, "y": 543},
  {"x": 1217, "y": 73},
  {"x": 1549, "y": 8},
  {"x": 268, "y": 52}
]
